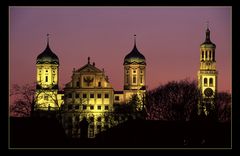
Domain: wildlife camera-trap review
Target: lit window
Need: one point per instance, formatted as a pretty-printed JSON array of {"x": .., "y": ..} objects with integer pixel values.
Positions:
[
  {"x": 211, "y": 81},
  {"x": 99, "y": 107},
  {"x": 45, "y": 97},
  {"x": 91, "y": 107},
  {"x": 106, "y": 107},
  {"x": 117, "y": 98},
  {"x": 134, "y": 78},
  {"x": 106, "y": 95},
  {"x": 205, "y": 81}
]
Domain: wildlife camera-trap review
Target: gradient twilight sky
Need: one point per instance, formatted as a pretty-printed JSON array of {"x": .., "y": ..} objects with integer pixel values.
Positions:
[{"x": 168, "y": 37}]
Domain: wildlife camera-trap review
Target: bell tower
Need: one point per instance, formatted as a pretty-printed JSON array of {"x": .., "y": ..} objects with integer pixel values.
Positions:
[
  {"x": 134, "y": 74},
  {"x": 207, "y": 76},
  {"x": 47, "y": 65}
]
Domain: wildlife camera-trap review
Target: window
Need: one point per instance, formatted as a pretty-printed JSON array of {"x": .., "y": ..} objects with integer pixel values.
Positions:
[
  {"x": 91, "y": 119},
  {"x": 99, "y": 84},
  {"x": 77, "y": 84},
  {"x": 45, "y": 97},
  {"x": 211, "y": 81},
  {"x": 141, "y": 79},
  {"x": 106, "y": 95},
  {"x": 99, "y": 119},
  {"x": 205, "y": 81},
  {"x": 98, "y": 128},
  {"x": 62, "y": 97},
  {"x": 70, "y": 107},
  {"x": 91, "y": 95},
  {"x": 117, "y": 98},
  {"x": 134, "y": 71},
  {"x": 206, "y": 54},
  {"x": 210, "y": 54},
  {"x": 53, "y": 71},
  {"x": 99, "y": 107},
  {"x": 84, "y": 107},
  {"x": 77, "y": 95},
  {"x": 99, "y": 95},
  {"x": 106, "y": 118},
  {"x": 91, "y": 107},
  {"x": 202, "y": 55},
  {"x": 46, "y": 79},
  {"x": 77, "y": 107},
  {"x": 84, "y": 95},
  {"x": 46, "y": 70},
  {"x": 70, "y": 95},
  {"x": 134, "y": 78},
  {"x": 106, "y": 107}
]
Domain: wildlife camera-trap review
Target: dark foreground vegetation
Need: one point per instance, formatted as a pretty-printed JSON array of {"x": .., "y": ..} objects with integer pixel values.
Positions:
[{"x": 48, "y": 133}]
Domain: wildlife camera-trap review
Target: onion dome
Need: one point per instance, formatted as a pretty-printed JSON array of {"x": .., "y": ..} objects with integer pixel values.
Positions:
[
  {"x": 207, "y": 43},
  {"x": 47, "y": 56},
  {"x": 134, "y": 57}
]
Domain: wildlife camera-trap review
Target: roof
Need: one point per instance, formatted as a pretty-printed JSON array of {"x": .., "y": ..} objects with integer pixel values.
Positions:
[{"x": 47, "y": 56}]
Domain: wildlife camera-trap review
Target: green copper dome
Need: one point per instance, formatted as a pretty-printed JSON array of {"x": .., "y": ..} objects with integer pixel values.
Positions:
[
  {"x": 134, "y": 56},
  {"x": 207, "y": 43},
  {"x": 47, "y": 56}
]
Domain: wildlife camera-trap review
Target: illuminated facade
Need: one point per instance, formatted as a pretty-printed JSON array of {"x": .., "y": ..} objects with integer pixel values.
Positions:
[
  {"x": 90, "y": 95},
  {"x": 207, "y": 76},
  {"x": 47, "y": 94}
]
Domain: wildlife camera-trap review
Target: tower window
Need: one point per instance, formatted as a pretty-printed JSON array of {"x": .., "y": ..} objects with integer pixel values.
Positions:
[
  {"x": 46, "y": 78},
  {"x": 127, "y": 79},
  {"x": 211, "y": 81},
  {"x": 134, "y": 71},
  {"x": 46, "y": 70},
  {"x": 141, "y": 79},
  {"x": 206, "y": 54},
  {"x": 205, "y": 81},
  {"x": 202, "y": 55},
  {"x": 210, "y": 54},
  {"x": 134, "y": 78}
]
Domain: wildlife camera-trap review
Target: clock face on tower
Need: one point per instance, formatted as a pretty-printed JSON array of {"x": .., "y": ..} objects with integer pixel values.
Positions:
[{"x": 208, "y": 92}]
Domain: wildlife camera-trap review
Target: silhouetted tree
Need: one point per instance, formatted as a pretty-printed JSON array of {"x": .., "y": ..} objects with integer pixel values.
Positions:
[
  {"x": 23, "y": 100},
  {"x": 173, "y": 101},
  {"x": 223, "y": 106}
]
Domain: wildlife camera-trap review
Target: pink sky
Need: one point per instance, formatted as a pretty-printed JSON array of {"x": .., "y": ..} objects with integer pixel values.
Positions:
[{"x": 168, "y": 37}]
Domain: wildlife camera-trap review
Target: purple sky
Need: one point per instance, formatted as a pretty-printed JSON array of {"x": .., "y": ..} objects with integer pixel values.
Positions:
[{"x": 168, "y": 37}]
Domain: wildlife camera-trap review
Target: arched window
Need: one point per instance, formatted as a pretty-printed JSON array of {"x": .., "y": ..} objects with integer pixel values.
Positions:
[
  {"x": 205, "y": 81},
  {"x": 211, "y": 81},
  {"x": 134, "y": 78},
  {"x": 206, "y": 54},
  {"x": 210, "y": 54},
  {"x": 202, "y": 55}
]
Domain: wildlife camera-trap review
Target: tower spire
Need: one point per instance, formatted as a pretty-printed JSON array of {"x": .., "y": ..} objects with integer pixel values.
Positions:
[
  {"x": 48, "y": 39},
  {"x": 135, "y": 40},
  {"x": 207, "y": 33}
]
